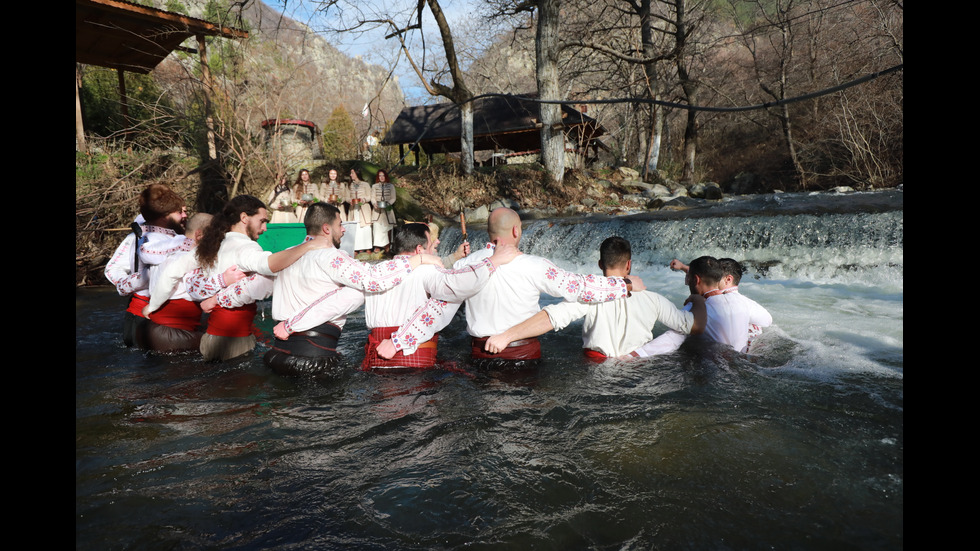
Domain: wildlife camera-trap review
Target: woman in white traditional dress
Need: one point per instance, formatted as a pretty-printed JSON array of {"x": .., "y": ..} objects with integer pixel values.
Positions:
[
  {"x": 383, "y": 215},
  {"x": 360, "y": 211},
  {"x": 304, "y": 193},
  {"x": 337, "y": 194},
  {"x": 280, "y": 202}
]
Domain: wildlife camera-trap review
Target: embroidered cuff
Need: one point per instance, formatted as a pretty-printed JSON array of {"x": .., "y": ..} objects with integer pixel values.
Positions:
[
  {"x": 395, "y": 340},
  {"x": 490, "y": 265}
]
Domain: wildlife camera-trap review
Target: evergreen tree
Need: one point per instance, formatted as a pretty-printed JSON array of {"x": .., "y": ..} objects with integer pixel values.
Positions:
[{"x": 339, "y": 135}]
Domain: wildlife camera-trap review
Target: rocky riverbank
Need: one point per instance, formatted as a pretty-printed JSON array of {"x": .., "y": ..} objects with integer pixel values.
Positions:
[{"x": 613, "y": 192}]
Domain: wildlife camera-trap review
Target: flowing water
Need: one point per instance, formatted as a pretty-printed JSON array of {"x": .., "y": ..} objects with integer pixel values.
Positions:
[{"x": 799, "y": 445}]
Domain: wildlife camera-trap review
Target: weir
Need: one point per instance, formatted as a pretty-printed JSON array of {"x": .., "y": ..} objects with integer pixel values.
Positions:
[{"x": 815, "y": 246}]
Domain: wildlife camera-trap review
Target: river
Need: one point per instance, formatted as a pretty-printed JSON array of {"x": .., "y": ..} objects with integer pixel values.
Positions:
[{"x": 798, "y": 445}]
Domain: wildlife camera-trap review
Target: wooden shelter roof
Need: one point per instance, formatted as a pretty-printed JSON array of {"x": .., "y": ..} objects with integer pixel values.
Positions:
[
  {"x": 508, "y": 122},
  {"x": 134, "y": 38}
]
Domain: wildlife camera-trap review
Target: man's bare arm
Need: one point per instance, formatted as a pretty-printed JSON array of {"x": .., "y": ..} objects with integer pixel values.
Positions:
[{"x": 538, "y": 324}]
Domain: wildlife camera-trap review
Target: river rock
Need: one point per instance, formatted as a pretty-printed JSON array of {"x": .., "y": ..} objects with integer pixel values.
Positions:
[
  {"x": 628, "y": 173},
  {"x": 706, "y": 190},
  {"x": 660, "y": 190},
  {"x": 680, "y": 202},
  {"x": 479, "y": 214},
  {"x": 744, "y": 183}
]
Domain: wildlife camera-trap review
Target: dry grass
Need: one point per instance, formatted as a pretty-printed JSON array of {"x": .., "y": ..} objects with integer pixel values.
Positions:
[
  {"x": 107, "y": 186},
  {"x": 445, "y": 190}
]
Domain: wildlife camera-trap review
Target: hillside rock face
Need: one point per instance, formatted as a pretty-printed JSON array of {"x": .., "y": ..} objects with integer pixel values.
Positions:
[{"x": 293, "y": 72}]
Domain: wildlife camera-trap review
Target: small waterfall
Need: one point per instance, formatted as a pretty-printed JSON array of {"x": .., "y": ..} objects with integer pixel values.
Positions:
[{"x": 839, "y": 247}]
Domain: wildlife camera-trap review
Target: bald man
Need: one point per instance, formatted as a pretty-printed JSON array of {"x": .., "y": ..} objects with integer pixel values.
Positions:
[{"x": 512, "y": 295}]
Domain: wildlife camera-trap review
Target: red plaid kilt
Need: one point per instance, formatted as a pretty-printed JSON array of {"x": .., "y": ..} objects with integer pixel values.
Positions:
[{"x": 424, "y": 356}]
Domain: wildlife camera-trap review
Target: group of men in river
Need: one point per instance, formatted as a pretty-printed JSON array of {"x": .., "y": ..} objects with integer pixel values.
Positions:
[{"x": 176, "y": 268}]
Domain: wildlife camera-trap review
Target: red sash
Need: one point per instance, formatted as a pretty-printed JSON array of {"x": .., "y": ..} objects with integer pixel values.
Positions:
[
  {"x": 179, "y": 314},
  {"x": 524, "y": 349},
  {"x": 594, "y": 355},
  {"x": 424, "y": 356},
  {"x": 233, "y": 322},
  {"x": 136, "y": 305}
]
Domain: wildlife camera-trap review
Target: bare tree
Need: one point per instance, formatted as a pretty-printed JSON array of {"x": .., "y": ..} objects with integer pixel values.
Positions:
[
  {"x": 459, "y": 93},
  {"x": 547, "y": 48},
  {"x": 771, "y": 41},
  {"x": 401, "y": 21}
]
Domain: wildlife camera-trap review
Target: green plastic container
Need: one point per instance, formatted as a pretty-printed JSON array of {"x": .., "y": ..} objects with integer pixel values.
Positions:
[{"x": 282, "y": 236}]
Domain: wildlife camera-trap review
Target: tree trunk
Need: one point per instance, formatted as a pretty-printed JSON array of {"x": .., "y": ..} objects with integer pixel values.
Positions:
[
  {"x": 459, "y": 93},
  {"x": 652, "y": 158},
  {"x": 546, "y": 50},
  {"x": 690, "y": 88},
  {"x": 652, "y": 151},
  {"x": 79, "y": 125},
  {"x": 787, "y": 127},
  {"x": 466, "y": 137},
  {"x": 690, "y": 141}
]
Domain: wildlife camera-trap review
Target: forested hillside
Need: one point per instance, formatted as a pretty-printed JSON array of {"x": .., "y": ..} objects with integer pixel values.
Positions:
[{"x": 728, "y": 55}]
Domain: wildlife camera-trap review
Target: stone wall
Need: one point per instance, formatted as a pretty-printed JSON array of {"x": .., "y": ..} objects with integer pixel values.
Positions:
[{"x": 295, "y": 143}]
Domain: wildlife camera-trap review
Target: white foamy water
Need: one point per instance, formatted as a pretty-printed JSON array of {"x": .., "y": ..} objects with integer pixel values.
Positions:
[{"x": 833, "y": 279}]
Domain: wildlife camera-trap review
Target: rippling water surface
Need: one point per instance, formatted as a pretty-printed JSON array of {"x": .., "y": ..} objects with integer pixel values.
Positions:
[{"x": 797, "y": 446}]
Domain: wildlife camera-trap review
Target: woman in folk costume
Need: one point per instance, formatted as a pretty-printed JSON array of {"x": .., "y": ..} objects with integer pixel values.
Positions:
[
  {"x": 360, "y": 212},
  {"x": 280, "y": 201},
  {"x": 383, "y": 216},
  {"x": 337, "y": 194},
  {"x": 304, "y": 193}
]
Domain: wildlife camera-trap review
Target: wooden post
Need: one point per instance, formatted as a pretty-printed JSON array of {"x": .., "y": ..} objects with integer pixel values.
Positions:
[
  {"x": 208, "y": 86},
  {"x": 123, "y": 102},
  {"x": 79, "y": 124}
]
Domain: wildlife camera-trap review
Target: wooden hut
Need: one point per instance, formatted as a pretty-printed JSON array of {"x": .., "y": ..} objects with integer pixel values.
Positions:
[
  {"x": 130, "y": 37},
  {"x": 506, "y": 128}
]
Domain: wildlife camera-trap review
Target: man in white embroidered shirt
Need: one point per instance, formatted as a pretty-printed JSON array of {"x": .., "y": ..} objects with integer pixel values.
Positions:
[
  {"x": 405, "y": 321},
  {"x": 231, "y": 240},
  {"x": 611, "y": 329},
  {"x": 313, "y": 297},
  {"x": 512, "y": 295}
]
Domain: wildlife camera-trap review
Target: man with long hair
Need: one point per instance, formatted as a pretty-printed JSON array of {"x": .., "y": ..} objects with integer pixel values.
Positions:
[
  {"x": 230, "y": 240},
  {"x": 173, "y": 314}
]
